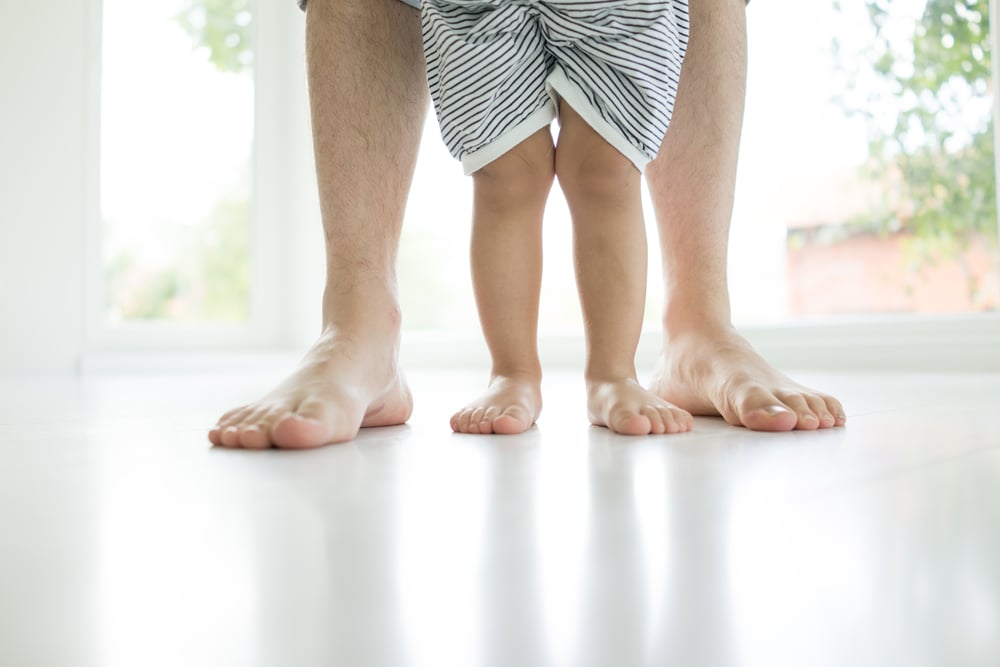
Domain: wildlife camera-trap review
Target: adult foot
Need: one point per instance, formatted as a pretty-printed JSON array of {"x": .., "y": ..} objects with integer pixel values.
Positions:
[
  {"x": 510, "y": 406},
  {"x": 344, "y": 382},
  {"x": 715, "y": 371},
  {"x": 625, "y": 407}
]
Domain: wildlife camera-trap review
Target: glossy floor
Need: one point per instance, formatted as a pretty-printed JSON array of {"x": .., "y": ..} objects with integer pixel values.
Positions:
[{"x": 128, "y": 541}]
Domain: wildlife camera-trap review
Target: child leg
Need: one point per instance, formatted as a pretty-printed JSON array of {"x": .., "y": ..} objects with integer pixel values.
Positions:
[
  {"x": 602, "y": 188},
  {"x": 509, "y": 203}
]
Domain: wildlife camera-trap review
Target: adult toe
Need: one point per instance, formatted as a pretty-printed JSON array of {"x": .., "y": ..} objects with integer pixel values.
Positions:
[
  {"x": 819, "y": 408},
  {"x": 254, "y": 437},
  {"x": 807, "y": 419},
  {"x": 760, "y": 410},
  {"x": 312, "y": 424},
  {"x": 230, "y": 436}
]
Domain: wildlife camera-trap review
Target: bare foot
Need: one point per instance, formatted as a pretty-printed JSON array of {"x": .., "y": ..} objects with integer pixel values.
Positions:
[
  {"x": 626, "y": 408},
  {"x": 717, "y": 372},
  {"x": 510, "y": 406},
  {"x": 342, "y": 384}
]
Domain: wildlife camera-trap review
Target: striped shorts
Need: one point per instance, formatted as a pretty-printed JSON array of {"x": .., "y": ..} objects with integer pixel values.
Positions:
[
  {"x": 411, "y": 3},
  {"x": 497, "y": 70}
]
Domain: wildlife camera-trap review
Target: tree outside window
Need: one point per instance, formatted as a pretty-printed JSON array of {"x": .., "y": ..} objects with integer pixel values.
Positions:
[
  {"x": 920, "y": 217},
  {"x": 177, "y": 119}
]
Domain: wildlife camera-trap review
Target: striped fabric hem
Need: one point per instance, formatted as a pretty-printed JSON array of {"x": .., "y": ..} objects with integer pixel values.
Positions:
[
  {"x": 473, "y": 162},
  {"x": 494, "y": 66},
  {"x": 573, "y": 95},
  {"x": 411, "y": 3}
]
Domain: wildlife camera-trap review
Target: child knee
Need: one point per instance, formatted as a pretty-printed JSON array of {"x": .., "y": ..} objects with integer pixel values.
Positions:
[
  {"x": 515, "y": 177},
  {"x": 599, "y": 173}
]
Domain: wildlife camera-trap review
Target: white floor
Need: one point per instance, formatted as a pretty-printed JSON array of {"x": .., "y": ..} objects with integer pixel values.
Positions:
[{"x": 125, "y": 540}]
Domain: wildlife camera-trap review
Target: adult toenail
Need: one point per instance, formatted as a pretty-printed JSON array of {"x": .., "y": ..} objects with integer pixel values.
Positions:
[{"x": 775, "y": 410}]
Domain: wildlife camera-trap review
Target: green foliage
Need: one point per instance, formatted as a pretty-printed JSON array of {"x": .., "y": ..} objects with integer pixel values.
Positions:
[
  {"x": 207, "y": 276},
  {"x": 223, "y": 28},
  {"x": 135, "y": 296},
  {"x": 219, "y": 254},
  {"x": 927, "y": 105},
  {"x": 209, "y": 281}
]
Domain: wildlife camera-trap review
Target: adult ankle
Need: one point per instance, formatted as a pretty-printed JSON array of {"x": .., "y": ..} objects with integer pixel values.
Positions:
[
  {"x": 369, "y": 320},
  {"x": 366, "y": 309},
  {"x": 683, "y": 318}
]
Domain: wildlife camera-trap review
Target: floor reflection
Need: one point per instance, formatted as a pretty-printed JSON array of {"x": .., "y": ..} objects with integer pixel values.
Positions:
[{"x": 577, "y": 548}]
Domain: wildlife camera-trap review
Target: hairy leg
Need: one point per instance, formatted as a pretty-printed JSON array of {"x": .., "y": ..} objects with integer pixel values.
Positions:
[
  {"x": 706, "y": 366},
  {"x": 509, "y": 203},
  {"x": 609, "y": 244},
  {"x": 368, "y": 97}
]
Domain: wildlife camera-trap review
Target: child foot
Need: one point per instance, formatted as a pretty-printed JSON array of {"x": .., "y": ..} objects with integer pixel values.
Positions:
[
  {"x": 624, "y": 407},
  {"x": 510, "y": 406}
]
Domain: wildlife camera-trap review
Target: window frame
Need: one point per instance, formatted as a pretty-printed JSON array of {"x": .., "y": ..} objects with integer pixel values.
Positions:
[
  {"x": 273, "y": 34},
  {"x": 287, "y": 269}
]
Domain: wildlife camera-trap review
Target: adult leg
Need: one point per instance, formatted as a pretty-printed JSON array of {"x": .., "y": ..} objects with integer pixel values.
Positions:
[
  {"x": 509, "y": 203},
  {"x": 706, "y": 367},
  {"x": 367, "y": 92},
  {"x": 609, "y": 246}
]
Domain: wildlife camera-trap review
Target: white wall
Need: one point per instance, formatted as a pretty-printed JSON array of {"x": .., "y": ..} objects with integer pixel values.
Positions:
[
  {"x": 49, "y": 188},
  {"x": 49, "y": 95},
  {"x": 47, "y": 64}
]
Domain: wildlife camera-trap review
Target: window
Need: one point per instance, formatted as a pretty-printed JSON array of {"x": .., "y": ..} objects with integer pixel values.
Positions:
[
  {"x": 866, "y": 183},
  {"x": 839, "y": 212},
  {"x": 867, "y": 179},
  {"x": 177, "y": 127}
]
